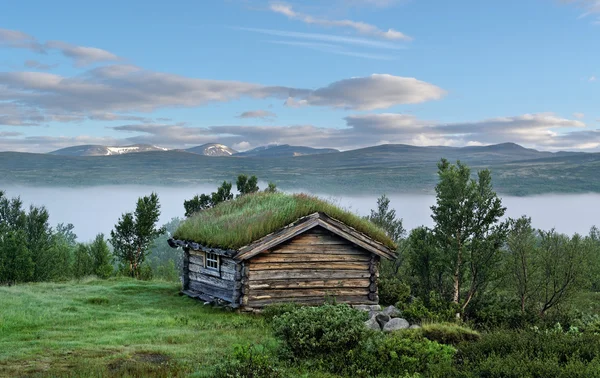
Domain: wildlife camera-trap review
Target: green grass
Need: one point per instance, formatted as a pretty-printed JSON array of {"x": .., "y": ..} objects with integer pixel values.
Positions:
[
  {"x": 116, "y": 327},
  {"x": 236, "y": 223}
]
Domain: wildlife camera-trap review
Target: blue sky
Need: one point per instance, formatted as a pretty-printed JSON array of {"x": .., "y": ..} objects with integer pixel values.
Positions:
[{"x": 342, "y": 73}]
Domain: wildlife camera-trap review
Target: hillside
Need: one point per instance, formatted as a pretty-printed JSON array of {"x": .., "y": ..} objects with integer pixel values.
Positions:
[
  {"x": 212, "y": 149},
  {"x": 98, "y": 150},
  {"x": 386, "y": 168},
  {"x": 284, "y": 150}
]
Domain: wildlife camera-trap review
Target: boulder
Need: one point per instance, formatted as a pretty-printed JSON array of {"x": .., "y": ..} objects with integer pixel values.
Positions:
[
  {"x": 396, "y": 324},
  {"x": 362, "y": 307},
  {"x": 373, "y": 324},
  {"x": 392, "y": 311},
  {"x": 414, "y": 326},
  {"x": 382, "y": 319}
]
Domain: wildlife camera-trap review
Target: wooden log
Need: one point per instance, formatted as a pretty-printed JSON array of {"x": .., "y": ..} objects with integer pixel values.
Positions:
[
  {"x": 318, "y": 284},
  {"x": 373, "y": 287},
  {"x": 210, "y": 280},
  {"x": 211, "y": 272},
  {"x": 301, "y": 257},
  {"x": 306, "y": 274},
  {"x": 295, "y": 293},
  {"x": 225, "y": 294},
  {"x": 259, "y": 303},
  {"x": 311, "y": 265},
  {"x": 186, "y": 265},
  {"x": 319, "y": 250},
  {"x": 198, "y": 260}
]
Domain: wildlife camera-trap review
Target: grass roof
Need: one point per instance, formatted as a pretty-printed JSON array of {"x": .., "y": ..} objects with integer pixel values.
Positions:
[{"x": 234, "y": 224}]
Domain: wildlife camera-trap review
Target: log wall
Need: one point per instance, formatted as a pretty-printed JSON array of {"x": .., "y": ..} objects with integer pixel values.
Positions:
[
  {"x": 309, "y": 269},
  {"x": 218, "y": 284}
]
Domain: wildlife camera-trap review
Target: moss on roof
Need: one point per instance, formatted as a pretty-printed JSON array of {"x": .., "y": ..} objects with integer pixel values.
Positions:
[{"x": 234, "y": 224}]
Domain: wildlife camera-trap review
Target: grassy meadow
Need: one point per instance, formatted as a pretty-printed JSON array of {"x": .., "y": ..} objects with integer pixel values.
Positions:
[{"x": 117, "y": 327}]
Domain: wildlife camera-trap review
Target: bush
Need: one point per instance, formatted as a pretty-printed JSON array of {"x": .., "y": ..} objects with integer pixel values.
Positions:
[
  {"x": 392, "y": 291},
  {"x": 251, "y": 361},
  {"x": 437, "y": 311},
  {"x": 449, "y": 333},
  {"x": 319, "y": 331},
  {"x": 271, "y": 311},
  {"x": 397, "y": 354},
  {"x": 531, "y": 354}
]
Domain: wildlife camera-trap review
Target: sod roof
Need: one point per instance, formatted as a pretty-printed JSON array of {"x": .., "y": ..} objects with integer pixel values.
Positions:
[{"x": 236, "y": 223}]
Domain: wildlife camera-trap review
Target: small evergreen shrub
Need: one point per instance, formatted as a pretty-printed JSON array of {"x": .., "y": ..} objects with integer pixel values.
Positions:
[
  {"x": 271, "y": 311},
  {"x": 252, "y": 361},
  {"x": 449, "y": 333},
  {"x": 319, "y": 331},
  {"x": 392, "y": 291},
  {"x": 436, "y": 311},
  {"x": 399, "y": 354}
]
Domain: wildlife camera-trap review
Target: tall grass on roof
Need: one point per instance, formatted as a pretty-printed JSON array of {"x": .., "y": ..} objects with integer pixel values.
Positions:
[{"x": 233, "y": 224}]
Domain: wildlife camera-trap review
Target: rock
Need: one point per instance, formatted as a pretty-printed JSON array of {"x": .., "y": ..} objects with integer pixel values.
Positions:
[
  {"x": 392, "y": 311},
  {"x": 395, "y": 324},
  {"x": 375, "y": 308},
  {"x": 372, "y": 324},
  {"x": 414, "y": 326},
  {"x": 373, "y": 313},
  {"x": 382, "y": 319}
]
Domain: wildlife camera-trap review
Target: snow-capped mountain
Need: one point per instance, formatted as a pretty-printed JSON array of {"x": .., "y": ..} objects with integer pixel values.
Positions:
[
  {"x": 212, "y": 149},
  {"x": 98, "y": 150},
  {"x": 284, "y": 150}
]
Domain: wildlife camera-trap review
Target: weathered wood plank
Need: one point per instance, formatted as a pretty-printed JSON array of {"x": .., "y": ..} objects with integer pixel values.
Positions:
[
  {"x": 318, "y": 250},
  {"x": 293, "y": 293},
  {"x": 210, "y": 280},
  {"x": 301, "y": 257},
  {"x": 225, "y": 294},
  {"x": 211, "y": 272},
  {"x": 258, "y": 275},
  {"x": 311, "y": 265},
  {"x": 317, "y": 284},
  {"x": 196, "y": 259},
  {"x": 258, "y": 303}
]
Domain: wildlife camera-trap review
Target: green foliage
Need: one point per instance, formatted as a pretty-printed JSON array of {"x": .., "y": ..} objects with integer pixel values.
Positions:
[
  {"x": 166, "y": 262},
  {"x": 531, "y": 354},
  {"x": 385, "y": 218},
  {"x": 271, "y": 188},
  {"x": 246, "y": 185},
  {"x": 273, "y": 310},
  {"x": 435, "y": 310},
  {"x": 323, "y": 330},
  {"x": 424, "y": 264},
  {"x": 222, "y": 194},
  {"x": 101, "y": 257},
  {"x": 134, "y": 233},
  {"x": 449, "y": 333},
  {"x": 251, "y": 361},
  {"x": 16, "y": 265},
  {"x": 467, "y": 229},
  {"x": 392, "y": 290},
  {"x": 198, "y": 203},
  {"x": 236, "y": 223},
  {"x": 398, "y": 354},
  {"x": 83, "y": 263}
]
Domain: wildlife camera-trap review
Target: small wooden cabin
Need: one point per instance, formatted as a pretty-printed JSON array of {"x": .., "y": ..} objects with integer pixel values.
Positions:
[{"x": 313, "y": 259}]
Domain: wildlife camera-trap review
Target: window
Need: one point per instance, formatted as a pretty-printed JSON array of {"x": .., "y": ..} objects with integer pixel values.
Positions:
[{"x": 212, "y": 261}]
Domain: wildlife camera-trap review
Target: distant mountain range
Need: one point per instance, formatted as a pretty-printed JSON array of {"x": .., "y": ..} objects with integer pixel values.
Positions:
[
  {"x": 392, "y": 168},
  {"x": 208, "y": 149}
]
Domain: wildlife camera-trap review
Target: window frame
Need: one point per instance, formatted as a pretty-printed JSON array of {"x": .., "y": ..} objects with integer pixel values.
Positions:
[{"x": 216, "y": 261}]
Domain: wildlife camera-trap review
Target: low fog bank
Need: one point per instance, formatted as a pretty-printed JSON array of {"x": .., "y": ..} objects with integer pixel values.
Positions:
[{"x": 97, "y": 209}]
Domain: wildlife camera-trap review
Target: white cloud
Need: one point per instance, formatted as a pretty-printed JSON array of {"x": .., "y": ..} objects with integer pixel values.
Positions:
[
  {"x": 360, "y": 27},
  {"x": 242, "y": 146},
  {"x": 579, "y": 115},
  {"x": 592, "y": 79},
  {"x": 81, "y": 55},
  {"x": 262, "y": 114},
  {"x": 589, "y": 7},
  {"x": 39, "y": 65}
]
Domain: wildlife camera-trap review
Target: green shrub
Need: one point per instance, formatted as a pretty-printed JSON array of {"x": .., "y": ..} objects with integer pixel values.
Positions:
[
  {"x": 392, "y": 291},
  {"x": 319, "y": 331},
  {"x": 251, "y": 361},
  {"x": 449, "y": 333},
  {"x": 437, "y": 311},
  {"x": 271, "y": 311},
  {"x": 531, "y": 354},
  {"x": 397, "y": 354}
]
